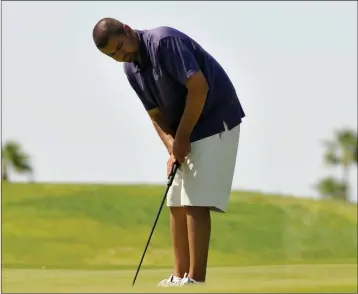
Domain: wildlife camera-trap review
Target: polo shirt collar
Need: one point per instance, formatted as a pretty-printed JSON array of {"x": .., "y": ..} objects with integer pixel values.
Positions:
[{"x": 143, "y": 51}]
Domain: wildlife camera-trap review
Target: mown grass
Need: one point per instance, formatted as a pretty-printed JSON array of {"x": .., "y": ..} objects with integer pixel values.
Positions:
[
  {"x": 106, "y": 227},
  {"x": 69, "y": 238},
  {"x": 261, "y": 279}
]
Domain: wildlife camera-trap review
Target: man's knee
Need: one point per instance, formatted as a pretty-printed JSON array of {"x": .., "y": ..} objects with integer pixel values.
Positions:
[
  {"x": 177, "y": 211},
  {"x": 194, "y": 211}
]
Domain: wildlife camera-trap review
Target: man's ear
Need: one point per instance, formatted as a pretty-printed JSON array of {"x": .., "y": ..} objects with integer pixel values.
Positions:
[{"x": 126, "y": 27}]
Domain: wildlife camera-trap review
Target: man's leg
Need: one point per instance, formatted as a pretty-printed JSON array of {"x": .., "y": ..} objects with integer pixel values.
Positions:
[
  {"x": 179, "y": 234},
  {"x": 178, "y": 227},
  {"x": 207, "y": 180},
  {"x": 199, "y": 229}
]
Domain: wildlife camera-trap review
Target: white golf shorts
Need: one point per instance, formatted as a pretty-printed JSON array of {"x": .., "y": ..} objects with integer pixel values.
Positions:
[{"x": 205, "y": 178}]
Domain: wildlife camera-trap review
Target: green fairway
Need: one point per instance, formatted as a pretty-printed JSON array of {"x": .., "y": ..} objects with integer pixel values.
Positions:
[{"x": 284, "y": 279}]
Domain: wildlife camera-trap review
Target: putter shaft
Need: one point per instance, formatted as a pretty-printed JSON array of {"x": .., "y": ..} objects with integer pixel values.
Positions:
[{"x": 169, "y": 183}]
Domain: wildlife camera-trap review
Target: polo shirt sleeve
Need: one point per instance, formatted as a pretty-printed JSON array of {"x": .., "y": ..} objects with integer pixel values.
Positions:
[
  {"x": 148, "y": 104},
  {"x": 177, "y": 59}
]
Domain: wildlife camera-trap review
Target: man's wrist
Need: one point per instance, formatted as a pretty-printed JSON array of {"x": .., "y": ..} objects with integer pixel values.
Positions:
[
  {"x": 169, "y": 144},
  {"x": 183, "y": 135}
]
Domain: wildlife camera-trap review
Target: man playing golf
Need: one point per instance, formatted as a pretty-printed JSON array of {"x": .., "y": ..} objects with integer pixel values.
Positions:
[{"x": 196, "y": 112}]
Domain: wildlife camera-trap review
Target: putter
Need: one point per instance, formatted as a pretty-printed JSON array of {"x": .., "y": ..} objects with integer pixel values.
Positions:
[{"x": 169, "y": 183}]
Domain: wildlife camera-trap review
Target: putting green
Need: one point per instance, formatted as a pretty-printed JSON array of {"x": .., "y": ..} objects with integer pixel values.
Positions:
[{"x": 284, "y": 279}]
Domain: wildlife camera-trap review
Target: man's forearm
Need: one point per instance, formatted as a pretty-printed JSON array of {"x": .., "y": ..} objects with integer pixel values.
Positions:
[
  {"x": 193, "y": 108},
  {"x": 163, "y": 130}
]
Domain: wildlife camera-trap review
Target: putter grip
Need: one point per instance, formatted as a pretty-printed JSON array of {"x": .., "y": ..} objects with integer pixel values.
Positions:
[{"x": 173, "y": 172}]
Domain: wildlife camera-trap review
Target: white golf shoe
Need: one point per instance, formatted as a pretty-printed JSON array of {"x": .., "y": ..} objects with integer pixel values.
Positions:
[
  {"x": 188, "y": 281},
  {"x": 172, "y": 281}
]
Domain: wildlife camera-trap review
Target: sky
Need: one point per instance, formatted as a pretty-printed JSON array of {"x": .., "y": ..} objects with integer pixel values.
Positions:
[{"x": 293, "y": 64}]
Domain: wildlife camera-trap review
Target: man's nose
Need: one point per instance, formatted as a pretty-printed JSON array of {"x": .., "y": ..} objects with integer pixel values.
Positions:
[{"x": 120, "y": 54}]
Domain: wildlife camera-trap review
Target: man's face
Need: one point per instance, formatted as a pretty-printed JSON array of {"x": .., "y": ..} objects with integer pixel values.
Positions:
[{"x": 122, "y": 48}]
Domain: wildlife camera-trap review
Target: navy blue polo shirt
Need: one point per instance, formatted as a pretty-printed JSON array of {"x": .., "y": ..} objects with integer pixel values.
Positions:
[{"x": 169, "y": 58}]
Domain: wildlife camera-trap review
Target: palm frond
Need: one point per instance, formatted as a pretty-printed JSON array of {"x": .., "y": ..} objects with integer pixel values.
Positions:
[
  {"x": 331, "y": 158},
  {"x": 13, "y": 156}
]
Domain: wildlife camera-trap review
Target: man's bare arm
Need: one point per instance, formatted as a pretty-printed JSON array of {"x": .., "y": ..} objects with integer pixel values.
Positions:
[
  {"x": 162, "y": 128},
  {"x": 196, "y": 97}
]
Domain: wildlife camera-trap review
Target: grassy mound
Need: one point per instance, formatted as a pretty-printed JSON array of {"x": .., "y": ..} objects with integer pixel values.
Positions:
[{"x": 103, "y": 226}]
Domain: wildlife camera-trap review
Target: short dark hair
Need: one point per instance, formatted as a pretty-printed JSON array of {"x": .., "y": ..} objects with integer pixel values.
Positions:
[{"x": 104, "y": 29}]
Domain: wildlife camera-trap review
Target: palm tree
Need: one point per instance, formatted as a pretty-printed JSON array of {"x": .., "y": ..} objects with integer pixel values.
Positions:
[
  {"x": 342, "y": 151},
  {"x": 13, "y": 157}
]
